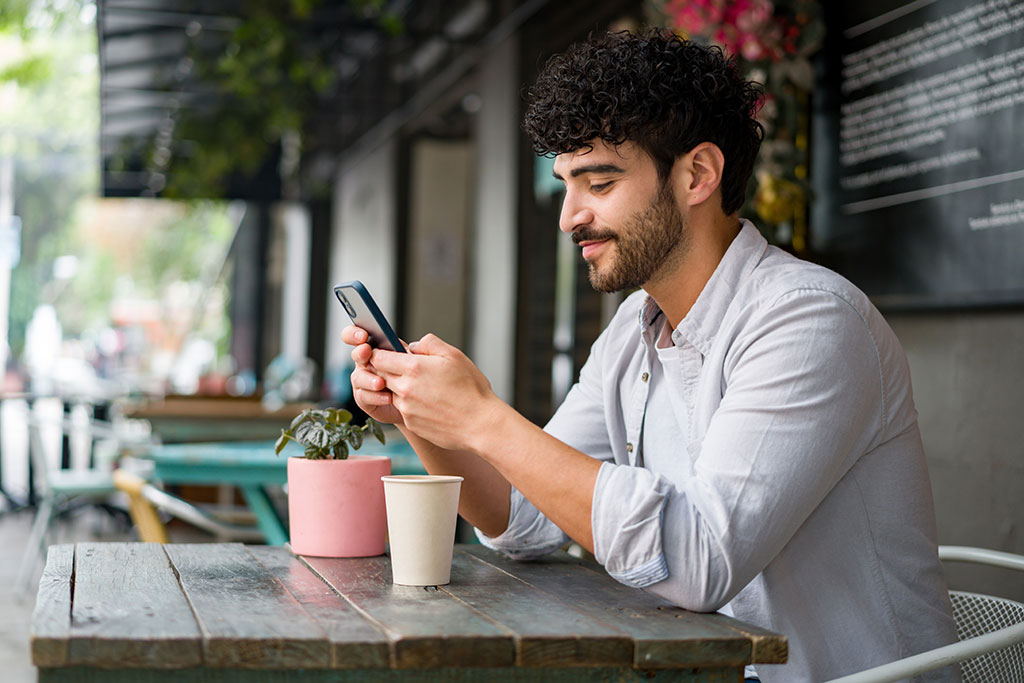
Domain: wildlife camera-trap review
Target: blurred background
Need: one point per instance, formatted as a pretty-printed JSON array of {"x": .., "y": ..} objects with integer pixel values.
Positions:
[{"x": 182, "y": 182}]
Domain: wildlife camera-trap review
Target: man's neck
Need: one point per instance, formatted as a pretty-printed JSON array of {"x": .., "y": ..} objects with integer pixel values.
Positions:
[{"x": 677, "y": 292}]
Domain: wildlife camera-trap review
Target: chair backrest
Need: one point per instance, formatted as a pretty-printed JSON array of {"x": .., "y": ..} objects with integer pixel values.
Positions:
[
  {"x": 977, "y": 615},
  {"x": 53, "y": 421},
  {"x": 37, "y": 449}
]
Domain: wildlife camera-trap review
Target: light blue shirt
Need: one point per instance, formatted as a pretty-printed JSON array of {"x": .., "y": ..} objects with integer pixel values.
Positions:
[{"x": 789, "y": 484}]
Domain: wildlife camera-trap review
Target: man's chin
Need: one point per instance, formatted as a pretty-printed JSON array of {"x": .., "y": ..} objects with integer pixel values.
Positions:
[{"x": 607, "y": 283}]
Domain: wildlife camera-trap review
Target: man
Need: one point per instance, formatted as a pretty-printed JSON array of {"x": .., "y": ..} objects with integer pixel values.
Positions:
[{"x": 743, "y": 436}]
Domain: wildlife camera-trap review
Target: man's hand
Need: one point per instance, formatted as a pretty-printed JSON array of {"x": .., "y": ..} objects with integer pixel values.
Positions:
[
  {"x": 446, "y": 407},
  {"x": 441, "y": 396},
  {"x": 368, "y": 388}
]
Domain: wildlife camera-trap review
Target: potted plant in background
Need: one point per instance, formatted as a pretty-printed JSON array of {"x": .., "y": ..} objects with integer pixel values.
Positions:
[{"x": 335, "y": 501}]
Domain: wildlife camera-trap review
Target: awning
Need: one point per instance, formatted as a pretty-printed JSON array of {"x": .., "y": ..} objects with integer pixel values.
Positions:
[{"x": 167, "y": 100}]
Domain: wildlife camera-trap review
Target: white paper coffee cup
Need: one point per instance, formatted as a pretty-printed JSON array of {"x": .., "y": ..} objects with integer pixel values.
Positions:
[{"x": 422, "y": 512}]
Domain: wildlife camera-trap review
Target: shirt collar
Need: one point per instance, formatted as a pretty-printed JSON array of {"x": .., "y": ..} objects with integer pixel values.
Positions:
[{"x": 704, "y": 319}]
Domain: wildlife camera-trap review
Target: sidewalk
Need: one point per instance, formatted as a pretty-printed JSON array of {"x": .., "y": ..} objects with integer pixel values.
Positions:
[{"x": 15, "y": 616}]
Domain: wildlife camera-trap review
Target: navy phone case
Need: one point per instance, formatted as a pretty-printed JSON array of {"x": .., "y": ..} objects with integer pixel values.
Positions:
[{"x": 365, "y": 313}]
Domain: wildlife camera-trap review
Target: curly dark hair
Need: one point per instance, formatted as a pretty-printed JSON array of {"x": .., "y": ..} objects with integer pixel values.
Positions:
[{"x": 655, "y": 89}]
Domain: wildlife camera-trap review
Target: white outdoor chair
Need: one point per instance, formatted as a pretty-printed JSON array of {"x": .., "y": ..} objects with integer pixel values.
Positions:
[
  {"x": 59, "y": 489},
  {"x": 990, "y": 629}
]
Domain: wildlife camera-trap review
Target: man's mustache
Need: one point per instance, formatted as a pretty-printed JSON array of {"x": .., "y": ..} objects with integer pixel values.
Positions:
[{"x": 591, "y": 235}]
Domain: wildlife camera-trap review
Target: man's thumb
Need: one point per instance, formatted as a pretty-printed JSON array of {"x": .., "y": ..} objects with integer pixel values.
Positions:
[{"x": 430, "y": 344}]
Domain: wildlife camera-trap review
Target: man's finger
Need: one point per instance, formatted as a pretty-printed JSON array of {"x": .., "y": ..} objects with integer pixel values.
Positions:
[
  {"x": 373, "y": 398},
  {"x": 363, "y": 379},
  {"x": 353, "y": 335},
  {"x": 361, "y": 354},
  {"x": 430, "y": 345},
  {"x": 391, "y": 362}
]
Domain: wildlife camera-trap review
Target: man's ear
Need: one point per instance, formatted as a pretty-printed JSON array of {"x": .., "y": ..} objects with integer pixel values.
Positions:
[{"x": 699, "y": 173}]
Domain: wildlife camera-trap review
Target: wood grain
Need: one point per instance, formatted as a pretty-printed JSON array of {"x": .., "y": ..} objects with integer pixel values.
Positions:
[
  {"x": 51, "y": 619},
  {"x": 664, "y": 636},
  {"x": 128, "y": 610},
  {"x": 190, "y": 613},
  {"x": 767, "y": 647},
  {"x": 247, "y": 618},
  {"x": 548, "y": 632},
  {"x": 427, "y": 627},
  {"x": 356, "y": 643}
]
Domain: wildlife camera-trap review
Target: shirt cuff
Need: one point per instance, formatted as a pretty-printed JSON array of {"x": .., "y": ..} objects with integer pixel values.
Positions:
[
  {"x": 529, "y": 533},
  {"x": 649, "y": 573},
  {"x": 627, "y": 522}
]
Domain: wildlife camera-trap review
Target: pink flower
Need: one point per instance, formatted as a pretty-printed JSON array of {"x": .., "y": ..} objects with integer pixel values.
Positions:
[
  {"x": 751, "y": 50},
  {"x": 746, "y": 28}
]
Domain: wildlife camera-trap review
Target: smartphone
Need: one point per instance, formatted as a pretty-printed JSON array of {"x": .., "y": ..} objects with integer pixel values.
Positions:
[{"x": 365, "y": 313}]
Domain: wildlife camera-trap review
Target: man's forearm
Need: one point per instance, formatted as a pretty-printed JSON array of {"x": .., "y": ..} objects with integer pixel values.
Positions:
[
  {"x": 558, "y": 479},
  {"x": 484, "y": 501}
]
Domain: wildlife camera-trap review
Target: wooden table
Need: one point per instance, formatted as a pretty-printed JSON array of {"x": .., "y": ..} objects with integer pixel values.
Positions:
[
  {"x": 149, "y": 612},
  {"x": 179, "y": 419},
  {"x": 251, "y": 466}
]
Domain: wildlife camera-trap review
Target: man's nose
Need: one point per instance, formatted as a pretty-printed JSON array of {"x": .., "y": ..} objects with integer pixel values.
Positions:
[{"x": 574, "y": 213}]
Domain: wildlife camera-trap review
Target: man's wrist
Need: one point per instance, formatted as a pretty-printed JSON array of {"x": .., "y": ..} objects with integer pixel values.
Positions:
[{"x": 488, "y": 429}]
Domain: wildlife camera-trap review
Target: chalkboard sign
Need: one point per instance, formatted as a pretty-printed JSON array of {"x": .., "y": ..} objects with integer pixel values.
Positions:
[{"x": 918, "y": 151}]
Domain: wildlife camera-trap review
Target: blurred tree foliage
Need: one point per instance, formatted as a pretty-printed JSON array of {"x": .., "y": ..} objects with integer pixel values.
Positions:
[
  {"x": 272, "y": 77},
  {"x": 49, "y": 124},
  {"x": 49, "y": 114},
  {"x": 270, "y": 80}
]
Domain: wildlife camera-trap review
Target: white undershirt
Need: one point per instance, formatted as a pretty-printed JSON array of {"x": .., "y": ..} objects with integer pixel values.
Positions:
[{"x": 664, "y": 450}]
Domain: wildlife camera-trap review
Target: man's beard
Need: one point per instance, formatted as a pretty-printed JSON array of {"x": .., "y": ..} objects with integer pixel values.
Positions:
[{"x": 653, "y": 237}]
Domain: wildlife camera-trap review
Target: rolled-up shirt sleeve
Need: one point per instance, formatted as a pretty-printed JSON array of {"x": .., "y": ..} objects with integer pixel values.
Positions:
[
  {"x": 629, "y": 504},
  {"x": 803, "y": 400},
  {"x": 529, "y": 533},
  {"x": 796, "y": 397}
]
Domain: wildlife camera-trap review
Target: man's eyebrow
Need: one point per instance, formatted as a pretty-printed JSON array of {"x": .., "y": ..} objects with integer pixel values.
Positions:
[{"x": 592, "y": 168}]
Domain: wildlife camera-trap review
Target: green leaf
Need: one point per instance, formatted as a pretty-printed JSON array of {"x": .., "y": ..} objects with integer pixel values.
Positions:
[
  {"x": 341, "y": 450},
  {"x": 391, "y": 23},
  {"x": 302, "y": 430},
  {"x": 29, "y": 71},
  {"x": 320, "y": 435},
  {"x": 339, "y": 416},
  {"x": 282, "y": 441},
  {"x": 299, "y": 419},
  {"x": 314, "y": 453},
  {"x": 355, "y": 437},
  {"x": 375, "y": 428}
]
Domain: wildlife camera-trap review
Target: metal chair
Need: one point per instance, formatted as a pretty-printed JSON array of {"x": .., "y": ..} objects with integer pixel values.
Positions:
[
  {"x": 59, "y": 490},
  {"x": 145, "y": 500},
  {"x": 990, "y": 630}
]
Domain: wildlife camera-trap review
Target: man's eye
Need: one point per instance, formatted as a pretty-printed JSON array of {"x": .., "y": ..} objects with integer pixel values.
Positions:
[{"x": 600, "y": 187}]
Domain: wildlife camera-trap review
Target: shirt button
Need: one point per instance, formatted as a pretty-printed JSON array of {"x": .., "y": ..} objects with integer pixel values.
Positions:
[
  {"x": 629, "y": 448},
  {"x": 644, "y": 377}
]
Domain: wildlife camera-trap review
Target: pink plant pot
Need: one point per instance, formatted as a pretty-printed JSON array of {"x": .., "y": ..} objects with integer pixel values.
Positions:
[{"x": 336, "y": 507}]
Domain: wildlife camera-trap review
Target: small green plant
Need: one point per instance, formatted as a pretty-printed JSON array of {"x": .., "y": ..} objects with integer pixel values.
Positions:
[{"x": 326, "y": 434}]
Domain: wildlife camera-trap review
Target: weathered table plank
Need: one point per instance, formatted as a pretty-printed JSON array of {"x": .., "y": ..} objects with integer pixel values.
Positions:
[
  {"x": 246, "y": 616},
  {"x": 51, "y": 619},
  {"x": 665, "y": 636},
  {"x": 426, "y": 626},
  {"x": 548, "y": 632},
  {"x": 128, "y": 609},
  {"x": 356, "y": 643},
  {"x": 767, "y": 647},
  {"x": 260, "y": 614},
  {"x": 448, "y": 675}
]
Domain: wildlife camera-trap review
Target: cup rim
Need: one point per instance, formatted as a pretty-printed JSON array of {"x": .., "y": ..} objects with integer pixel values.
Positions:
[{"x": 421, "y": 478}]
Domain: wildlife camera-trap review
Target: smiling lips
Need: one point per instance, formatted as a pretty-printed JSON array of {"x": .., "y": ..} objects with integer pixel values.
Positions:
[{"x": 591, "y": 247}]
